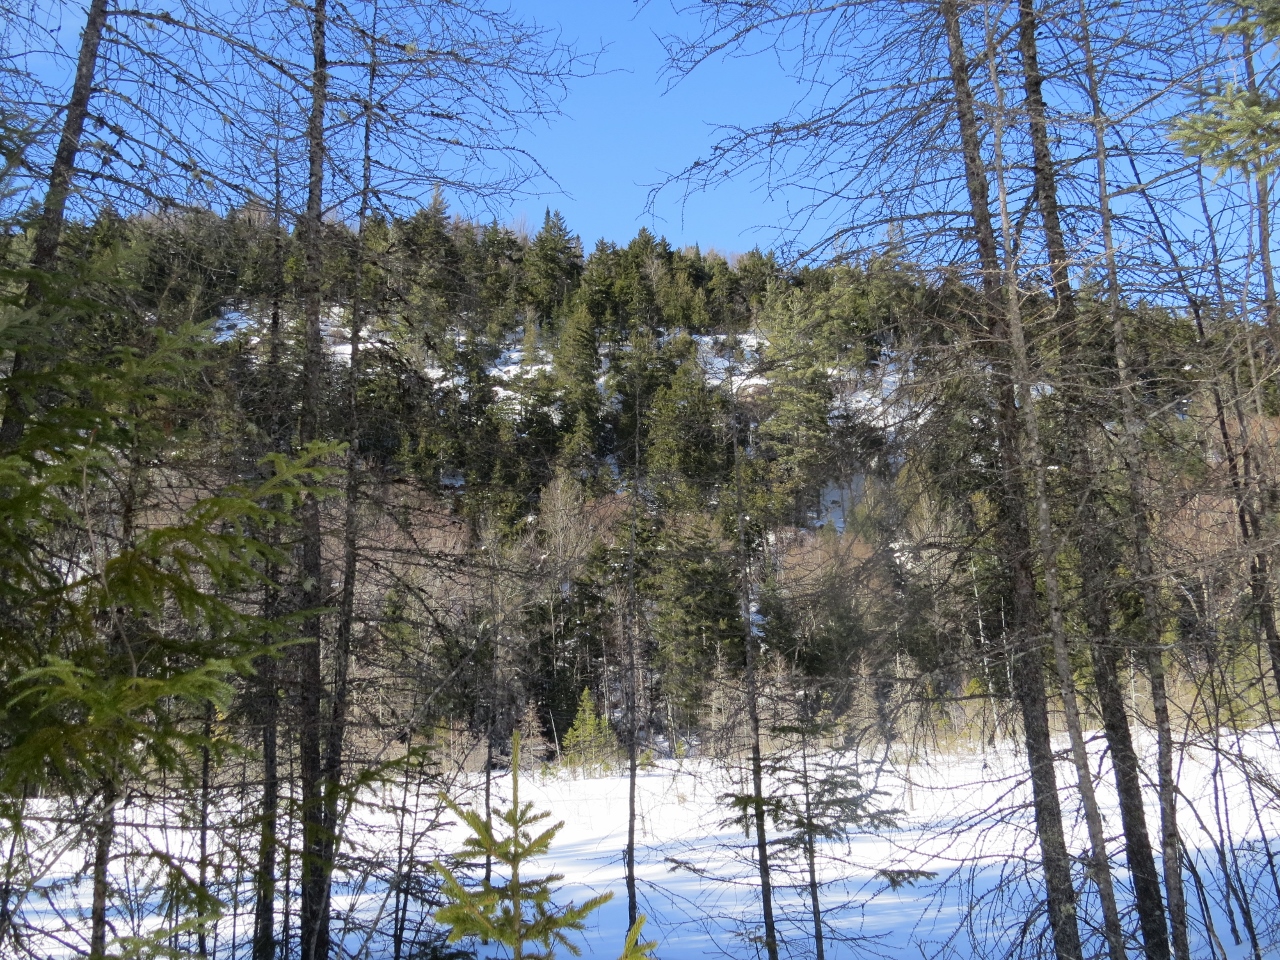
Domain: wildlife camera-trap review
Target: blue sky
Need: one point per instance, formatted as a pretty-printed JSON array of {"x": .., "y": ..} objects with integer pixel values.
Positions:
[
  {"x": 622, "y": 130},
  {"x": 622, "y": 133}
]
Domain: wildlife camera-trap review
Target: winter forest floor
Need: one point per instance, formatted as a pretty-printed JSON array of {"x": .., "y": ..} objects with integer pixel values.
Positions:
[{"x": 963, "y": 816}]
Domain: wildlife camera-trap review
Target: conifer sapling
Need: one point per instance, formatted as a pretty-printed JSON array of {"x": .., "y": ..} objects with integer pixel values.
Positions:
[{"x": 518, "y": 913}]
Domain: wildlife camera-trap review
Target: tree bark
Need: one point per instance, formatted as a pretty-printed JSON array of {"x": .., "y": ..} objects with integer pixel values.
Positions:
[
  {"x": 340, "y": 694},
  {"x": 103, "y": 836},
  {"x": 264, "y": 918},
  {"x": 633, "y": 732},
  {"x": 206, "y": 771},
  {"x": 1046, "y": 192},
  {"x": 268, "y": 670},
  {"x": 1095, "y": 560},
  {"x": 757, "y": 795},
  {"x": 1133, "y": 818},
  {"x": 810, "y": 840},
  {"x": 313, "y": 920},
  {"x": 1152, "y": 655},
  {"x": 1027, "y": 668}
]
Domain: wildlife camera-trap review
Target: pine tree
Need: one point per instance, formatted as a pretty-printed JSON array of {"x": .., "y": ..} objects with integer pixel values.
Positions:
[
  {"x": 106, "y": 659},
  {"x": 687, "y": 456},
  {"x": 697, "y": 623}
]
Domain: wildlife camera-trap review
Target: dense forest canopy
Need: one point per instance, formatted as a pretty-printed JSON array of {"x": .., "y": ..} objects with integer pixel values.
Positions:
[{"x": 315, "y": 493}]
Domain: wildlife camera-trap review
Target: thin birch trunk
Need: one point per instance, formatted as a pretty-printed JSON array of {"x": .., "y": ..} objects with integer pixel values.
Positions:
[{"x": 103, "y": 836}]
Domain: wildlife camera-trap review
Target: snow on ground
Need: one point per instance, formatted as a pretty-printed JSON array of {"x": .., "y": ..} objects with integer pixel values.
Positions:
[
  {"x": 512, "y": 364},
  {"x": 964, "y": 815},
  {"x": 721, "y": 364}
]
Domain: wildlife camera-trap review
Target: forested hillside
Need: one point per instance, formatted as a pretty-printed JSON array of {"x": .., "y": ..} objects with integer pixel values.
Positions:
[{"x": 317, "y": 496}]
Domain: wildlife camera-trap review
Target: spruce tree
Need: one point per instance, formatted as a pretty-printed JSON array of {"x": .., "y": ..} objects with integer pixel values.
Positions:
[
  {"x": 552, "y": 266},
  {"x": 518, "y": 913},
  {"x": 590, "y": 745}
]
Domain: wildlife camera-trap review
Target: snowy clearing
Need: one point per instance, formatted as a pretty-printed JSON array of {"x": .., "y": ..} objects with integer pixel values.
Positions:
[{"x": 964, "y": 816}]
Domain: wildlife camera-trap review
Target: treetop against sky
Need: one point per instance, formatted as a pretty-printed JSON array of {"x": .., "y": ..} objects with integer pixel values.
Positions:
[{"x": 617, "y": 121}]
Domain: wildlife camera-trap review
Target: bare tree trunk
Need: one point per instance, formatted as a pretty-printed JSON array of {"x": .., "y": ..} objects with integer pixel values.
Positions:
[
  {"x": 757, "y": 794},
  {"x": 404, "y": 861},
  {"x": 202, "y": 933},
  {"x": 1170, "y": 842},
  {"x": 1133, "y": 818},
  {"x": 517, "y": 909},
  {"x": 313, "y": 920},
  {"x": 103, "y": 835},
  {"x": 633, "y": 731},
  {"x": 1028, "y": 678},
  {"x": 264, "y": 918},
  {"x": 1104, "y": 656},
  {"x": 1049, "y": 560},
  {"x": 53, "y": 210},
  {"x": 1046, "y": 191},
  {"x": 340, "y": 694},
  {"x": 488, "y": 797},
  {"x": 1095, "y": 553},
  {"x": 750, "y": 679},
  {"x": 268, "y": 670},
  {"x": 810, "y": 841},
  {"x": 1153, "y": 656},
  {"x": 1239, "y": 472},
  {"x": 633, "y": 904}
]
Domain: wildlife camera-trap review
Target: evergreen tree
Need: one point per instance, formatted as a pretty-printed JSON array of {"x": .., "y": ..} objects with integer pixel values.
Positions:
[
  {"x": 821, "y": 797},
  {"x": 687, "y": 457},
  {"x": 577, "y": 363},
  {"x": 697, "y": 622},
  {"x": 435, "y": 274},
  {"x": 123, "y": 609},
  {"x": 552, "y": 266},
  {"x": 517, "y": 912},
  {"x": 590, "y": 745}
]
